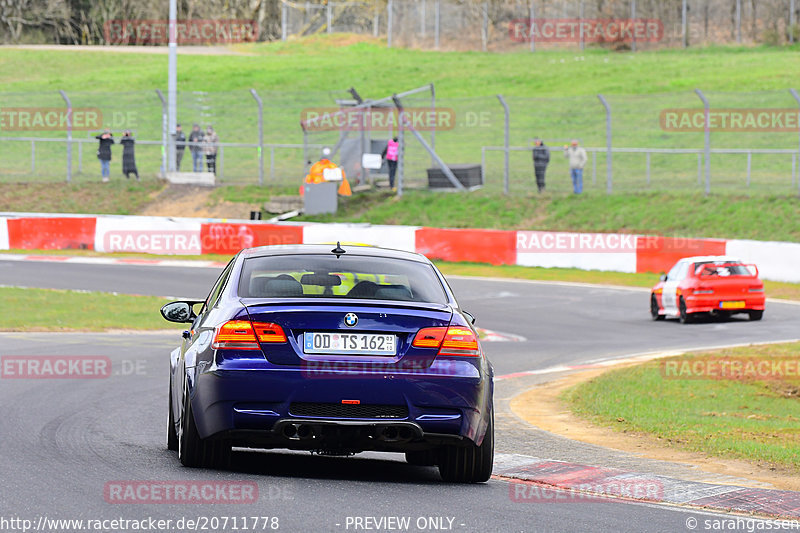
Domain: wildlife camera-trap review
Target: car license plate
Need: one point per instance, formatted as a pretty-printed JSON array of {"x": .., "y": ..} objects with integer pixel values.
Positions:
[
  {"x": 732, "y": 305},
  {"x": 349, "y": 343}
]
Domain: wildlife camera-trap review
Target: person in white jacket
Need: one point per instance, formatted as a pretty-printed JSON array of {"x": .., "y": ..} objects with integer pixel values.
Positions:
[{"x": 577, "y": 160}]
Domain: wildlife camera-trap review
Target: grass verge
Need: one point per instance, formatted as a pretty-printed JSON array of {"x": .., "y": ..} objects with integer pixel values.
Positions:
[
  {"x": 678, "y": 215},
  {"x": 118, "y": 197},
  {"x": 742, "y": 416},
  {"x": 58, "y": 310}
]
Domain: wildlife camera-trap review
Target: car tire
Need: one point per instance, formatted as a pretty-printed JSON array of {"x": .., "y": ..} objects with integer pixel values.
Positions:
[
  {"x": 422, "y": 458},
  {"x": 195, "y": 452},
  {"x": 654, "y": 314},
  {"x": 172, "y": 436},
  {"x": 683, "y": 316},
  {"x": 471, "y": 463},
  {"x": 756, "y": 315}
]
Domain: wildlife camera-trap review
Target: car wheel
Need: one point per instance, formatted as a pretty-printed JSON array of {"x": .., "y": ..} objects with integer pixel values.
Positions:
[
  {"x": 422, "y": 458},
  {"x": 469, "y": 464},
  {"x": 685, "y": 318},
  {"x": 756, "y": 315},
  {"x": 195, "y": 452},
  {"x": 654, "y": 314},
  {"x": 172, "y": 437}
]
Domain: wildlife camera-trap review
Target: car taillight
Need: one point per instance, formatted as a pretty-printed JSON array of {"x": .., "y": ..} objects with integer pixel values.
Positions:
[
  {"x": 658, "y": 291},
  {"x": 429, "y": 337},
  {"x": 269, "y": 332},
  {"x": 453, "y": 340},
  {"x": 704, "y": 291},
  {"x": 756, "y": 289},
  {"x": 244, "y": 335}
]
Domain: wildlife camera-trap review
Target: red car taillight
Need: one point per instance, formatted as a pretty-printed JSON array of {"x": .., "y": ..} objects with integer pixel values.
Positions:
[
  {"x": 453, "y": 340},
  {"x": 244, "y": 335}
]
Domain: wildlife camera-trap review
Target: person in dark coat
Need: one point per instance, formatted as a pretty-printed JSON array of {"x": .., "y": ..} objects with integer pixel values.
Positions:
[
  {"x": 196, "y": 147},
  {"x": 541, "y": 158},
  {"x": 104, "y": 153},
  {"x": 180, "y": 146},
  {"x": 128, "y": 156}
]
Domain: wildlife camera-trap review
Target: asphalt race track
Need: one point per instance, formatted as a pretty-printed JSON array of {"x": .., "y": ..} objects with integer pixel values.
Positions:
[{"x": 63, "y": 441}]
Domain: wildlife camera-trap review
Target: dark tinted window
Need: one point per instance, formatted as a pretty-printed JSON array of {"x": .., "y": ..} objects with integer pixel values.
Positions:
[{"x": 326, "y": 276}]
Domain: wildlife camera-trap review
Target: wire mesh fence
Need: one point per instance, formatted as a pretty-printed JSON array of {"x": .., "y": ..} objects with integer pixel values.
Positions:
[
  {"x": 658, "y": 141},
  {"x": 499, "y": 25}
]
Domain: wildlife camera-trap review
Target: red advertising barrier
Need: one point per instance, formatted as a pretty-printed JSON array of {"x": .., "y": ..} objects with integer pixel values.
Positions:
[
  {"x": 496, "y": 247},
  {"x": 227, "y": 238},
  {"x": 67, "y": 233},
  {"x": 659, "y": 254}
]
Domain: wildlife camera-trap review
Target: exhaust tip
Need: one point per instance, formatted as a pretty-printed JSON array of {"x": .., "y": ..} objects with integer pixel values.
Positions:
[
  {"x": 304, "y": 432},
  {"x": 290, "y": 431}
]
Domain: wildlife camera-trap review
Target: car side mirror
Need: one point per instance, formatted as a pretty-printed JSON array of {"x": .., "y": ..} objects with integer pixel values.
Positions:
[
  {"x": 663, "y": 277},
  {"x": 180, "y": 312},
  {"x": 469, "y": 316}
]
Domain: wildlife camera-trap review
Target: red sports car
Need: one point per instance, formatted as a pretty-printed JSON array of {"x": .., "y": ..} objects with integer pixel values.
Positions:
[{"x": 720, "y": 286}]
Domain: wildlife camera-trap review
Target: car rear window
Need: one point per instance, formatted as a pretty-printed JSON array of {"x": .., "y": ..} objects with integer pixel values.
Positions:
[
  {"x": 721, "y": 269},
  {"x": 349, "y": 276}
]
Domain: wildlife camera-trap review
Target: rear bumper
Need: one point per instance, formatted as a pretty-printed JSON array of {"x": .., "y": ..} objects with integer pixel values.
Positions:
[
  {"x": 712, "y": 303},
  {"x": 253, "y": 407}
]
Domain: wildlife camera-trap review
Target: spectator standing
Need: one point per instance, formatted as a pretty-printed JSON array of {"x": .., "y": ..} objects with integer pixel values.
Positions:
[
  {"x": 104, "y": 153},
  {"x": 541, "y": 158},
  {"x": 391, "y": 153},
  {"x": 180, "y": 146},
  {"x": 210, "y": 142},
  {"x": 196, "y": 147},
  {"x": 128, "y": 155},
  {"x": 577, "y": 160}
]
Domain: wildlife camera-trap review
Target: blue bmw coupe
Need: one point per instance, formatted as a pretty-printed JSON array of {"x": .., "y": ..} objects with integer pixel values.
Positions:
[{"x": 334, "y": 351}]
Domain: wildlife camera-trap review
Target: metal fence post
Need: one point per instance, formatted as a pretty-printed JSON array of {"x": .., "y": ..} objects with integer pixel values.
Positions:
[
  {"x": 506, "y": 142},
  {"x": 69, "y": 134},
  {"x": 684, "y": 28},
  {"x": 163, "y": 133},
  {"x": 284, "y": 21},
  {"x": 272, "y": 163},
  {"x": 329, "y": 17},
  {"x": 707, "y": 140},
  {"x": 738, "y": 21},
  {"x": 389, "y": 24},
  {"x": 375, "y": 23},
  {"x": 260, "y": 136},
  {"x": 221, "y": 163},
  {"x": 609, "y": 180},
  {"x": 583, "y": 43},
  {"x": 33, "y": 157},
  {"x": 485, "y": 27},
  {"x": 532, "y": 22},
  {"x": 422, "y": 18},
  {"x": 433, "y": 128},
  {"x": 633, "y": 17},
  {"x": 401, "y": 155},
  {"x": 749, "y": 166},
  {"x": 797, "y": 99},
  {"x": 437, "y": 20},
  {"x": 791, "y": 21}
]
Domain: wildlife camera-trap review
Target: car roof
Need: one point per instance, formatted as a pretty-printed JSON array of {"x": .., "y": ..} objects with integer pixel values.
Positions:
[
  {"x": 360, "y": 250},
  {"x": 701, "y": 258}
]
